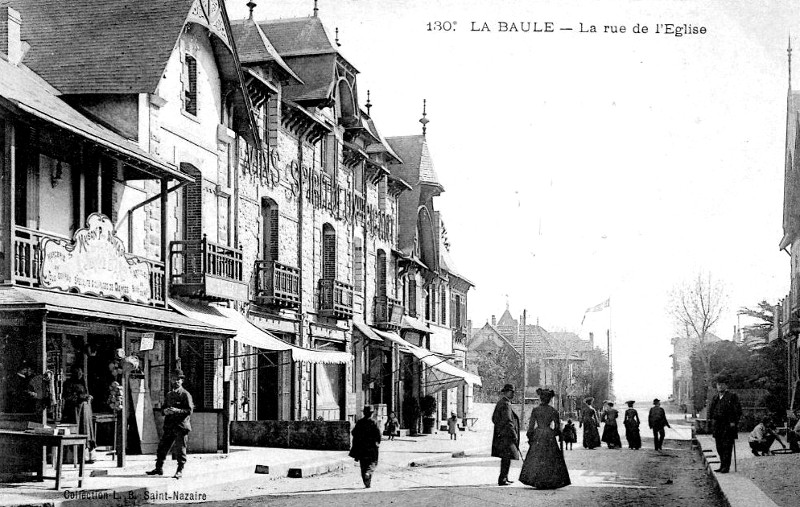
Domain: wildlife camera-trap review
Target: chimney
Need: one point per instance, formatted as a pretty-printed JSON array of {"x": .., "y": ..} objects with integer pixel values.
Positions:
[
  {"x": 591, "y": 339},
  {"x": 494, "y": 321},
  {"x": 10, "y": 34}
]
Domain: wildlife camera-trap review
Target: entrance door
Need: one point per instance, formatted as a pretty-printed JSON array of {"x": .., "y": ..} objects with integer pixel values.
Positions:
[{"x": 268, "y": 387}]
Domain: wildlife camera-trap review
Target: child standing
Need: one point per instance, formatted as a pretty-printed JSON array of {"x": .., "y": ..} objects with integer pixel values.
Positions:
[
  {"x": 452, "y": 426},
  {"x": 391, "y": 425},
  {"x": 568, "y": 434}
]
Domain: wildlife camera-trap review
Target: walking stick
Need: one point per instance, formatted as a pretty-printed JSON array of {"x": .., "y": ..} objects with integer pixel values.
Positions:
[{"x": 734, "y": 455}]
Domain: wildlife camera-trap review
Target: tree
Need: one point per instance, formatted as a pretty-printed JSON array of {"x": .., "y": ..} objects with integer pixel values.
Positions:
[
  {"x": 696, "y": 307},
  {"x": 758, "y": 333},
  {"x": 497, "y": 368},
  {"x": 592, "y": 376}
]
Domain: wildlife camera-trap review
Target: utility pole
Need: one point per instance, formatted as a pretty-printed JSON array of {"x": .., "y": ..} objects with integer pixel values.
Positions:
[{"x": 524, "y": 362}]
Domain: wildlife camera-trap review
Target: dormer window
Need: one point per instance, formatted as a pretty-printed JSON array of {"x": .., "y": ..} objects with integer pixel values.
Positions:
[{"x": 190, "y": 85}]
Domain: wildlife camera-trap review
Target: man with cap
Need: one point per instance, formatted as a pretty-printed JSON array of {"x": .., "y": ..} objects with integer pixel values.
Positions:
[
  {"x": 177, "y": 410},
  {"x": 366, "y": 439},
  {"x": 657, "y": 420},
  {"x": 724, "y": 413},
  {"x": 505, "y": 441}
]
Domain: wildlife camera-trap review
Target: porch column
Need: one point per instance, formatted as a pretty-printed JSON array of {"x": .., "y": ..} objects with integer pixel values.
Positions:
[
  {"x": 226, "y": 396},
  {"x": 164, "y": 247},
  {"x": 7, "y": 185},
  {"x": 122, "y": 433}
]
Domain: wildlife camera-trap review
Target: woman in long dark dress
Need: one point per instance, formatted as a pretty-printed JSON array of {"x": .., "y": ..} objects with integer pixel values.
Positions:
[
  {"x": 544, "y": 466},
  {"x": 611, "y": 430},
  {"x": 78, "y": 408},
  {"x": 631, "y": 423},
  {"x": 590, "y": 423}
]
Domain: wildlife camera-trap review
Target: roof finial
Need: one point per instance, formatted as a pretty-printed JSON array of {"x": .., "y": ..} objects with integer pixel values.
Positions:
[
  {"x": 251, "y": 5},
  {"x": 337, "y": 37},
  {"x": 789, "y": 53},
  {"x": 368, "y": 104},
  {"x": 424, "y": 121},
  {"x": 315, "y": 8}
]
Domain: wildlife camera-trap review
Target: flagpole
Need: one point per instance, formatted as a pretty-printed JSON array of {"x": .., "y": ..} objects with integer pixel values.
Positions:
[
  {"x": 608, "y": 345},
  {"x": 524, "y": 361}
]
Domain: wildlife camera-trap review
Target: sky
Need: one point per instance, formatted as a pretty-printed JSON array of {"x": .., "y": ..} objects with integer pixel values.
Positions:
[{"x": 580, "y": 166}]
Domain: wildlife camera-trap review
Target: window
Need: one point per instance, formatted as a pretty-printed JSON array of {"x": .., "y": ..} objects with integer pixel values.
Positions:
[
  {"x": 382, "y": 189},
  {"x": 358, "y": 267},
  {"x": 321, "y": 153},
  {"x": 380, "y": 273},
  {"x": 190, "y": 85},
  {"x": 358, "y": 178},
  {"x": 269, "y": 219},
  {"x": 412, "y": 298},
  {"x": 428, "y": 315},
  {"x": 328, "y": 252},
  {"x": 444, "y": 305}
]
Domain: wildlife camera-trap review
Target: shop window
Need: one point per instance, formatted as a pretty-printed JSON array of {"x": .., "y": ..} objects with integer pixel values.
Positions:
[
  {"x": 328, "y": 252},
  {"x": 190, "y": 85}
]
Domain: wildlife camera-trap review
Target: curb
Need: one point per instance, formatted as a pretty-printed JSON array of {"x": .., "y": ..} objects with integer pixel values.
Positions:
[
  {"x": 444, "y": 455},
  {"x": 734, "y": 490}
]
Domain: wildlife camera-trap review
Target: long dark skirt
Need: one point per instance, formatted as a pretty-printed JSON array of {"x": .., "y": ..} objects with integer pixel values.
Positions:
[
  {"x": 633, "y": 437},
  {"x": 544, "y": 466},
  {"x": 591, "y": 437},
  {"x": 611, "y": 435}
]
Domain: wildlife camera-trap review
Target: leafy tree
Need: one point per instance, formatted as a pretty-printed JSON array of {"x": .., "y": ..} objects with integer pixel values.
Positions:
[
  {"x": 592, "y": 376},
  {"x": 758, "y": 333},
  {"x": 497, "y": 368},
  {"x": 696, "y": 307}
]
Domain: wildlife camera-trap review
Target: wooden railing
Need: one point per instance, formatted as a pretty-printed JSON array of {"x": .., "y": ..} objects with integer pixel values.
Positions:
[
  {"x": 277, "y": 284},
  {"x": 205, "y": 269},
  {"x": 28, "y": 261},
  {"x": 460, "y": 336},
  {"x": 335, "y": 299},
  {"x": 388, "y": 312}
]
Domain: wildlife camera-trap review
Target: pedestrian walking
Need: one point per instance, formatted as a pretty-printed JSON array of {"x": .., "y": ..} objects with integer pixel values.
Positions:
[
  {"x": 569, "y": 434},
  {"x": 611, "y": 429},
  {"x": 724, "y": 413},
  {"x": 631, "y": 423},
  {"x": 544, "y": 466},
  {"x": 657, "y": 420},
  {"x": 452, "y": 426},
  {"x": 177, "y": 410},
  {"x": 505, "y": 440},
  {"x": 762, "y": 437},
  {"x": 590, "y": 423},
  {"x": 391, "y": 426},
  {"x": 366, "y": 440}
]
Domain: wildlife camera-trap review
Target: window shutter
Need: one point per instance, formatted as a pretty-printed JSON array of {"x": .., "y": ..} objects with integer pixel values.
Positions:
[
  {"x": 328, "y": 253},
  {"x": 273, "y": 233},
  {"x": 412, "y": 298},
  {"x": 444, "y": 305},
  {"x": 381, "y": 273},
  {"x": 453, "y": 309}
]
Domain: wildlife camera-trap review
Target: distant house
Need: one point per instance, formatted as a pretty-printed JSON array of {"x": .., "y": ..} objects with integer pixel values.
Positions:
[{"x": 682, "y": 368}]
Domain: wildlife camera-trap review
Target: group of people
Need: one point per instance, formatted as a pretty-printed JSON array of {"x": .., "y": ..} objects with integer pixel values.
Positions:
[{"x": 590, "y": 422}]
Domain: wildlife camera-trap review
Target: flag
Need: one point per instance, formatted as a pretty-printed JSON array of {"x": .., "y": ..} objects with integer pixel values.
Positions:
[{"x": 597, "y": 308}]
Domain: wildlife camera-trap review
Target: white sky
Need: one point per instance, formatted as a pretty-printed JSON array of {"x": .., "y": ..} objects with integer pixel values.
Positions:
[{"x": 645, "y": 157}]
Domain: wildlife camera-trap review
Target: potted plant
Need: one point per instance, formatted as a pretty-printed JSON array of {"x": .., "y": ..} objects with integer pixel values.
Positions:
[{"x": 428, "y": 408}]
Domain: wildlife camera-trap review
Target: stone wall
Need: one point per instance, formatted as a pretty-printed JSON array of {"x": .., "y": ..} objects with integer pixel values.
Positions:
[{"x": 320, "y": 435}]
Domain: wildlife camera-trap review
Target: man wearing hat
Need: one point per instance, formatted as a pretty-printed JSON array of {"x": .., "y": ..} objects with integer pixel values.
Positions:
[
  {"x": 366, "y": 439},
  {"x": 657, "y": 420},
  {"x": 505, "y": 441},
  {"x": 177, "y": 410},
  {"x": 724, "y": 413}
]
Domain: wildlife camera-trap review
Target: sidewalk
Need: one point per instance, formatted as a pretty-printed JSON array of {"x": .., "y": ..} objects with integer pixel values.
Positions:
[
  {"x": 106, "y": 485},
  {"x": 736, "y": 488}
]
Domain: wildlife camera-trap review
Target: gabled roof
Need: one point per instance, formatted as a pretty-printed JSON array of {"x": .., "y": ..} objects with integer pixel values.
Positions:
[
  {"x": 23, "y": 90},
  {"x": 94, "y": 46},
  {"x": 537, "y": 341},
  {"x": 569, "y": 342},
  {"x": 491, "y": 331},
  {"x": 298, "y": 36},
  {"x": 791, "y": 182},
  {"x": 417, "y": 167},
  {"x": 506, "y": 319},
  {"x": 446, "y": 263},
  {"x": 254, "y": 46}
]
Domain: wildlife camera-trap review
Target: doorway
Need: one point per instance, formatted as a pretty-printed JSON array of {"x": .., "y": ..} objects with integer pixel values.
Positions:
[{"x": 268, "y": 387}]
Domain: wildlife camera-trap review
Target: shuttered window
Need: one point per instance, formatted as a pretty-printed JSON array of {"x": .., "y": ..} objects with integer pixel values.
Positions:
[
  {"x": 412, "y": 298},
  {"x": 444, "y": 305},
  {"x": 190, "y": 85},
  {"x": 328, "y": 252},
  {"x": 381, "y": 273}
]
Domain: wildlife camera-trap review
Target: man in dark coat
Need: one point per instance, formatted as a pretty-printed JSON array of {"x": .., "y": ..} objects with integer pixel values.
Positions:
[
  {"x": 724, "y": 413},
  {"x": 505, "y": 441},
  {"x": 177, "y": 410},
  {"x": 366, "y": 439},
  {"x": 657, "y": 419}
]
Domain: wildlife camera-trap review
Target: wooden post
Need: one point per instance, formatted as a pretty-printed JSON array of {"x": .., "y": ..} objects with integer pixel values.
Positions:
[
  {"x": 226, "y": 396},
  {"x": 524, "y": 364},
  {"x": 164, "y": 247},
  {"x": 122, "y": 423},
  {"x": 7, "y": 186}
]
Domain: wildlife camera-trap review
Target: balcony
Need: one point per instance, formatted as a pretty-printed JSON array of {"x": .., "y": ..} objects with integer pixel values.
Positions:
[
  {"x": 388, "y": 313},
  {"x": 206, "y": 270},
  {"x": 335, "y": 299},
  {"x": 460, "y": 336},
  {"x": 28, "y": 262},
  {"x": 277, "y": 285}
]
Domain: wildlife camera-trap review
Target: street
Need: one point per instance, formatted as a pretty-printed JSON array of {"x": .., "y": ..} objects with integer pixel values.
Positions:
[{"x": 599, "y": 477}]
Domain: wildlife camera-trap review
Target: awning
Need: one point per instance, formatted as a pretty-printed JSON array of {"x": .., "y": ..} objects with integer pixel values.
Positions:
[
  {"x": 442, "y": 375},
  {"x": 252, "y": 335},
  {"x": 414, "y": 324},
  {"x": 63, "y": 303},
  {"x": 366, "y": 331}
]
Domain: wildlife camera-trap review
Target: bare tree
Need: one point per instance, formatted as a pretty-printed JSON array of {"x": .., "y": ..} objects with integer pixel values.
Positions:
[{"x": 696, "y": 306}]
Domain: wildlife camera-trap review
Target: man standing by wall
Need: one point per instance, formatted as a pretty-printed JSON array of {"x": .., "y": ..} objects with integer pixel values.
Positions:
[
  {"x": 177, "y": 410},
  {"x": 657, "y": 419},
  {"x": 505, "y": 441},
  {"x": 724, "y": 413}
]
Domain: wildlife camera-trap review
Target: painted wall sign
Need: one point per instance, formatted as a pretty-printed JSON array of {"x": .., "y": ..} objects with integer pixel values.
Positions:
[{"x": 95, "y": 263}]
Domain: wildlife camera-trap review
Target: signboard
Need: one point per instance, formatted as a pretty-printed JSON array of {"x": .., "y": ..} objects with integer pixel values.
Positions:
[
  {"x": 148, "y": 340},
  {"x": 95, "y": 263}
]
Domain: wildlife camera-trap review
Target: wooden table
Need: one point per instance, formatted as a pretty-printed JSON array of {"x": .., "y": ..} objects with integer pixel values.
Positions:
[{"x": 59, "y": 442}]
